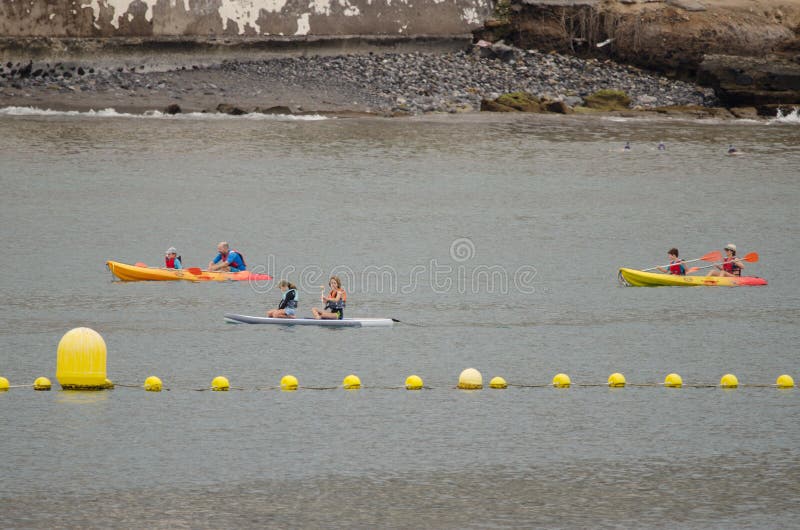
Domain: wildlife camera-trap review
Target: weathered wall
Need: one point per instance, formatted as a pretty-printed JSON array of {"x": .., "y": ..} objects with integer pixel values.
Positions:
[{"x": 245, "y": 18}]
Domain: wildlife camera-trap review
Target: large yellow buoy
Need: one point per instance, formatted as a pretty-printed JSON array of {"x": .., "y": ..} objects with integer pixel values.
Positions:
[
  {"x": 616, "y": 380},
  {"x": 498, "y": 382},
  {"x": 413, "y": 382},
  {"x": 81, "y": 360},
  {"x": 289, "y": 383},
  {"x": 783, "y": 381},
  {"x": 470, "y": 379},
  {"x": 4, "y": 385},
  {"x": 153, "y": 384},
  {"x": 220, "y": 384},
  {"x": 351, "y": 382},
  {"x": 42, "y": 383},
  {"x": 729, "y": 381},
  {"x": 561, "y": 381},
  {"x": 673, "y": 381}
]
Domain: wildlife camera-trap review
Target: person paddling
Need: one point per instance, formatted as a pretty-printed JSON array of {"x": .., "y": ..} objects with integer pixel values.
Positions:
[
  {"x": 172, "y": 260},
  {"x": 287, "y": 308},
  {"x": 227, "y": 260},
  {"x": 731, "y": 265},
  {"x": 676, "y": 265},
  {"x": 334, "y": 302}
]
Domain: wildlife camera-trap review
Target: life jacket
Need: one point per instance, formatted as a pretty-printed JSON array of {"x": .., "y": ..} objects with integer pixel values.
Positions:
[
  {"x": 677, "y": 268},
  {"x": 334, "y": 305},
  {"x": 288, "y": 304},
  {"x": 171, "y": 261},
  {"x": 731, "y": 267},
  {"x": 226, "y": 256}
]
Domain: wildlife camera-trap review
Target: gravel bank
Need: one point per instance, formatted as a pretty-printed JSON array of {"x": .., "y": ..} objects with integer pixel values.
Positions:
[{"x": 384, "y": 84}]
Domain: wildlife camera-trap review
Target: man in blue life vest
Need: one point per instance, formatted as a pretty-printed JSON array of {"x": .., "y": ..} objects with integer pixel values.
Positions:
[{"x": 227, "y": 260}]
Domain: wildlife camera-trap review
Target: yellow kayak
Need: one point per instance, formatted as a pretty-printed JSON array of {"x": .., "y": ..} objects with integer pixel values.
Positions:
[
  {"x": 636, "y": 278},
  {"x": 133, "y": 273}
]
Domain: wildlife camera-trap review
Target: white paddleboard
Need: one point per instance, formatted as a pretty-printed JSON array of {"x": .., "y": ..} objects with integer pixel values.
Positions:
[{"x": 343, "y": 323}]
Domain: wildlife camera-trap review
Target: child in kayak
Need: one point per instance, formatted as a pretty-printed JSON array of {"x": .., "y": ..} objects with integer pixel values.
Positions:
[
  {"x": 334, "y": 302},
  {"x": 172, "y": 260},
  {"x": 287, "y": 307},
  {"x": 676, "y": 265},
  {"x": 730, "y": 266}
]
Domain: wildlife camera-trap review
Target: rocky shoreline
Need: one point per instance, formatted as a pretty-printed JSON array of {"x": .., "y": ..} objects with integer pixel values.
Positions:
[{"x": 384, "y": 84}]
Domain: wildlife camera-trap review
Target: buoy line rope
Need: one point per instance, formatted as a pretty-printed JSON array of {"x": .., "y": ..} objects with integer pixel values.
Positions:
[{"x": 426, "y": 387}]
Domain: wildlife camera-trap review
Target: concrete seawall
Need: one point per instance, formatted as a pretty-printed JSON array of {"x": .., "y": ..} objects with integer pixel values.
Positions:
[{"x": 238, "y": 18}]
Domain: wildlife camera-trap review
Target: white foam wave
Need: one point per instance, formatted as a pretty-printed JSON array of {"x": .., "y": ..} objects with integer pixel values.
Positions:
[
  {"x": 155, "y": 114},
  {"x": 793, "y": 117}
]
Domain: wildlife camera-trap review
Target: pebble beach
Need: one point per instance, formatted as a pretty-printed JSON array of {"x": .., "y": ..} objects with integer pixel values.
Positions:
[{"x": 384, "y": 84}]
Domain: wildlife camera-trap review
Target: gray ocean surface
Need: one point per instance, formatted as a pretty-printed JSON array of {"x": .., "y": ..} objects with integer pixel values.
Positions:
[{"x": 497, "y": 239}]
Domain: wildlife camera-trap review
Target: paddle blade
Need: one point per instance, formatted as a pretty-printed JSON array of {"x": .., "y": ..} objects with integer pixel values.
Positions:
[
  {"x": 714, "y": 255},
  {"x": 752, "y": 257},
  {"x": 140, "y": 264},
  {"x": 692, "y": 269},
  {"x": 194, "y": 270}
]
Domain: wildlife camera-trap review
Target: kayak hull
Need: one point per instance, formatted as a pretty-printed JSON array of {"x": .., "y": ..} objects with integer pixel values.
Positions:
[
  {"x": 132, "y": 273},
  {"x": 637, "y": 278},
  {"x": 343, "y": 323}
]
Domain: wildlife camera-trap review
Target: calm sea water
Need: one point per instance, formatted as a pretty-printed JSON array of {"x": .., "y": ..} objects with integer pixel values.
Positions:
[{"x": 496, "y": 238}]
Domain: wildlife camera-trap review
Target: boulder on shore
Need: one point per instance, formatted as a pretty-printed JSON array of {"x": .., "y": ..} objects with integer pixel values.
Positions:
[
  {"x": 747, "y": 81},
  {"x": 608, "y": 100}
]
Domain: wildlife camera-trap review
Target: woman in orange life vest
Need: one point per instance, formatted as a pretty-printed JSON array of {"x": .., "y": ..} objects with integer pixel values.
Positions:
[
  {"x": 676, "y": 265},
  {"x": 172, "y": 260},
  {"x": 334, "y": 302},
  {"x": 731, "y": 266}
]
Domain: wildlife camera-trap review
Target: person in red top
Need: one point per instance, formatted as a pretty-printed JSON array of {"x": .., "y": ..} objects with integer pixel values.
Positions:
[
  {"x": 676, "y": 265},
  {"x": 731, "y": 265},
  {"x": 172, "y": 260}
]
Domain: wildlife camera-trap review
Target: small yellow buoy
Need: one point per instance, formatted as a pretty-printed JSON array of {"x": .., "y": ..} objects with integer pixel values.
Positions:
[
  {"x": 498, "y": 382},
  {"x": 220, "y": 383},
  {"x": 152, "y": 384},
  {"x": 673, "y": 381},
  {"x": 289, "y": 383},
  {"x": 42, "y": 383},
  {"x": 470, "y": 379},
  {"x": 413, "y": 382},
  {"x": 729, "y": 381},
  {"x": 561, "y": 381},
  {"x": 351, "y": 382},
  {"x": 616, "y": 380},
  {"x": 3, "y": 384},
  {"x": 784, "y": 381},
  {"x": 81, "y": 360}
]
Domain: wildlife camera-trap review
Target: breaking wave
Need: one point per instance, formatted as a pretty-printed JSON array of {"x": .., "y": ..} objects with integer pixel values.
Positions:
[{"x": 155, "y": 114}]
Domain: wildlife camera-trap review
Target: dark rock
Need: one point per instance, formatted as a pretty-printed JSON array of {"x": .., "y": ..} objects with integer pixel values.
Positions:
[
  {"x": 81, "y": 71},
  {"x": 67, "y": 74},
  {"x": 227, "y": 108},
  {"x": 749, "y": 113},
  {"x": 278, "y": 109},
  {"x": 489, "y": 105},
  {"x": 747, "y": 81},
  {"x": 558, "y": 107},
  {"x": 173, "y": 108}
]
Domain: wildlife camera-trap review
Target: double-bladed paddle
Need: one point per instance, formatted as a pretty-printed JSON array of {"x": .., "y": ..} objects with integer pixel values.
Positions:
[
  {"x": 714, "y": 255},
  {"x": 750, "y": 258}
]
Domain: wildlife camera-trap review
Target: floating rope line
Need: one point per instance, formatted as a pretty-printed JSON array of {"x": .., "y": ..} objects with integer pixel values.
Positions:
[{"x": 470, "y": 379}]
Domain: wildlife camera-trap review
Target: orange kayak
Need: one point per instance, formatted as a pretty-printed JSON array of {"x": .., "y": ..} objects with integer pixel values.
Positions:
[{"x": 132, "y": 273}]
